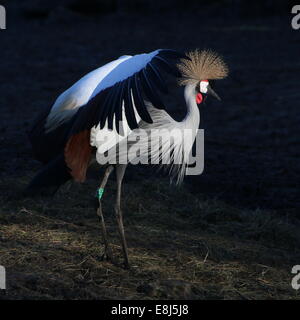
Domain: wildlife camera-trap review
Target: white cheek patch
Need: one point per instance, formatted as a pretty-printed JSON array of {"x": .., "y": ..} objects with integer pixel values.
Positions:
[{"x": 203, "y": 86}]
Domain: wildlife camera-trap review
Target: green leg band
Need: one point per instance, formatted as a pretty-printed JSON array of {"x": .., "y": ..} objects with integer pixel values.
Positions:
[{"x": 100, "y": 193}]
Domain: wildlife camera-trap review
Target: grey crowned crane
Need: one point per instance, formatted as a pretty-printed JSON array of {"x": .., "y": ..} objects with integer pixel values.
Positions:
[{"x": 118, "y": 100}]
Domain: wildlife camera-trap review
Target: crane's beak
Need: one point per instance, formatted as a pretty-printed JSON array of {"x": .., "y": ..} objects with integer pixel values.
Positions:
[{"x": 211, "y": 92}]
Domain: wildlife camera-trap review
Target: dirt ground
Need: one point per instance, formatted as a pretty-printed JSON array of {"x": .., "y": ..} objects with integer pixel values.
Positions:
[{"x": 230, "y": 233}]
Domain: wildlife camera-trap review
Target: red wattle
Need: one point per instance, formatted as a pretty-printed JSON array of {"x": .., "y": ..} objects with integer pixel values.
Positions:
[{"x": 199, "y": 98}]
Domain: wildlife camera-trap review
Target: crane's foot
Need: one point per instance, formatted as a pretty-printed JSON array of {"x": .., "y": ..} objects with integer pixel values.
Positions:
[
  {"x": 108, "y": 256},
  {"x": 126, "y": 265},
  {"x": 111, "y": 259}
]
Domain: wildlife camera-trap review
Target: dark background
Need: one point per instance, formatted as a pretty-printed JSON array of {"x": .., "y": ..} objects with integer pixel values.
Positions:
[
  {"x": 251, "y": 138},
  {"x": 251, "y": 149}
]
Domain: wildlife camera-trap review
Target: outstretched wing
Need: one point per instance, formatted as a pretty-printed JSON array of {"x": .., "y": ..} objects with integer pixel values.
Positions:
[
  {"x": 124, "y": 88},
  {"x": 103, "y": 97}
]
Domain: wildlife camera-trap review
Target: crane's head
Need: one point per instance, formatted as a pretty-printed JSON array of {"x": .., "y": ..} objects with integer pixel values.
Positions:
[
  {"x": 201, "y": 70},
  {"x": 204, "y": 89}
]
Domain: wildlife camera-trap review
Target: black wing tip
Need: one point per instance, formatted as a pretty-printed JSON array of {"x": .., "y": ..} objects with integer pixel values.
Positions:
[
  {"x": 170, "y": 67},
  {"x": 170, "y": 53}
]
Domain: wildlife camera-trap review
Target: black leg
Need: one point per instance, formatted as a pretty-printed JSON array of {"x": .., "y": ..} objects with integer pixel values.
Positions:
[
  {"x": 120, "y": 171},
  {"x": 107, "y": 249}
]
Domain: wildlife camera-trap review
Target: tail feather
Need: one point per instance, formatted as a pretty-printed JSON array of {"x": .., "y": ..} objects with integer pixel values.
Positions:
[{"x": 50, "y": 177}]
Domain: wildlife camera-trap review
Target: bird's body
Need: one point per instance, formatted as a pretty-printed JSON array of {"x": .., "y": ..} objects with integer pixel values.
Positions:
[
  {"x": 173, "y": 152},
  {"x": 117, "y": 105}
]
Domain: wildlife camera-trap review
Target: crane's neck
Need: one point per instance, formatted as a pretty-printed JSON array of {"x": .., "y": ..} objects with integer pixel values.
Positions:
[{"x": 192, "y": 118}]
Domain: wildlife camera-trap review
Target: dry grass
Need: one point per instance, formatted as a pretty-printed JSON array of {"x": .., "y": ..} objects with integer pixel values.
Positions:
[{"x": 180, "y": 246}]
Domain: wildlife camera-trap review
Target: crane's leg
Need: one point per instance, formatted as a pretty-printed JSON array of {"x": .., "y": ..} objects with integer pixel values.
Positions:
[
  {"x": 107, "y": 252},
  {"x": 120, "y": 171}
]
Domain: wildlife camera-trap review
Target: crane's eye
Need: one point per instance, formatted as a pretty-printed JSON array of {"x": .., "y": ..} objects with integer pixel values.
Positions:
[{"x": 203, "y": 86}]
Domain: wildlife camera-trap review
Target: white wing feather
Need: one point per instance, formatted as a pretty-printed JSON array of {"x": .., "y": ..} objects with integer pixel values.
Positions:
[
  {"x": 78, "y": 95},
  {"x": 174, "y": 152},
  {"x": 91, "y": 84}
]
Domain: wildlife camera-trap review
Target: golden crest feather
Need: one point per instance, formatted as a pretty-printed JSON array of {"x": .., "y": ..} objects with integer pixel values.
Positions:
[{"x": 203, "y": 65}]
